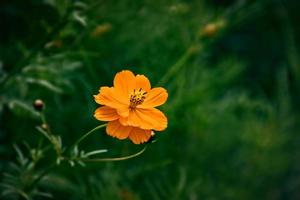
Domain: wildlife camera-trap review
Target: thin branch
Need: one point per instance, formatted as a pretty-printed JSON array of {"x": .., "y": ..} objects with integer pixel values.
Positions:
[{"x": 115, "y": 159}]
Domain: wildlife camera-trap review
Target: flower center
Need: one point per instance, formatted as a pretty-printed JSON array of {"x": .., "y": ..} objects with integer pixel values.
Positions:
[{"x": 137, "y": 97}]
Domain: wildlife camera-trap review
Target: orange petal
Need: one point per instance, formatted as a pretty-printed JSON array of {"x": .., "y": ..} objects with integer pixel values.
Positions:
[
  {"x": 124, "y": 121},
  {"x": 155, "y": 97},
  {"x": 142, "y": 82},
  {"x": 115, "y": 129},
  {"x": 138, "y": 136},
  {"x": 145, "y": 119},
  {"x": 123, "y": 111},
  {"x": 105, "y": 113},
  {"x": 124, "y": 82},
  {"x": 112, "y": 98}
]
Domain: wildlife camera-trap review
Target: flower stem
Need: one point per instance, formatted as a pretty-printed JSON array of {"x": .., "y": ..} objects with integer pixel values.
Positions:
[
  {"x": 116, "y": 159},
  {"x": 179, "y": 64},
  {"x": 87, "y": 134},
  {"x": 43, "y": 119}
]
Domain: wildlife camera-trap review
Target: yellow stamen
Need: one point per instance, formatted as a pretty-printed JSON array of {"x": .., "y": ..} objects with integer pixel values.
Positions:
[{"x": 137, "y": 97}]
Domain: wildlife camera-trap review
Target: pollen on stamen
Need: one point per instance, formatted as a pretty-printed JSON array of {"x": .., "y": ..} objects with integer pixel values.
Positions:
[{"x": 137, "y": 97}]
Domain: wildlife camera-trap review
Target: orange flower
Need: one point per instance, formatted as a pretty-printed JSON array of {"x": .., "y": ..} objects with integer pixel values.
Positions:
[{"x": 129, "y": 107}]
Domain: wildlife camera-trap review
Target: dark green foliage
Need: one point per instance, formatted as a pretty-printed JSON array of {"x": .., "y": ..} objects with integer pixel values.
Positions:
[{"x": 232, "y": 71}]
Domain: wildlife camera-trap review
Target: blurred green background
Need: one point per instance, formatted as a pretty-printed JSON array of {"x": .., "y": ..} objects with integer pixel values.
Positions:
[{"x": 231, "y": 68}]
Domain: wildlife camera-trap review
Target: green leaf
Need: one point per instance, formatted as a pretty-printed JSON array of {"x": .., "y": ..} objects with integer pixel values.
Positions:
[
  {"x": 44, "y": 83},
  {"x": 21, "y": 108},
  {"x": 80, "y": 19}
]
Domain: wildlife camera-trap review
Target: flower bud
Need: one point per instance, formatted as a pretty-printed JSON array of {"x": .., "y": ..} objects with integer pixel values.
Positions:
[
  {"x": 152, "y": 138},
  {"x": 45, "y": 126},
  {"x": 38, "y": 105},
  {"x": 211, "y": 29},
  {"x": 101, "y": 30}
]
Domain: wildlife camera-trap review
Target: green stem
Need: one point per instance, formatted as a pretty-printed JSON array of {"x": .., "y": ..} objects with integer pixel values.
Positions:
[
  {"x": 179, "y": 64},
  {"x": 87, "y": 134},
  {"x": 116, "y": 159},
  {"x": 43, "y": 119},
  {"x": 45, "y": 133},
  {"x": 54, "y": 163}
]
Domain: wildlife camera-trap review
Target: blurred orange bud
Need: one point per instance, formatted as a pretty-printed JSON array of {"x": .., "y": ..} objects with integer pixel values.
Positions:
[
  {"x": 212, "y": 28},
  {"x": 101, "y": 30}
]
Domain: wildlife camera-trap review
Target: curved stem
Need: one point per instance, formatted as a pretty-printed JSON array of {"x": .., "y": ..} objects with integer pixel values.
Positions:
[
  {"x": 35, "y": 182},
  {"x": 116, "y": 159},
  {"x": 44, "y": 121},
  {"x": 87, "y": 134}
]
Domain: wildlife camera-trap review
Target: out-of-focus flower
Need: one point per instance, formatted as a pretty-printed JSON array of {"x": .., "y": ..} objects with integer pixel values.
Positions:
[
  {"x": 129, "y": 107},
  {"x": 212, "y": 28},
  {"x": 101, "y": 30}
]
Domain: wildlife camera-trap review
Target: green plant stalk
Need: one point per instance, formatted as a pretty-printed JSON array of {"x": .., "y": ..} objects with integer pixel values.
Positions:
[
  {"x": 87, "y": 134},
  {"x": 179, "y": 64},
  {"x": 43, "y": 119},
  {"x": 115, "y": 159},
  {"x": 47, "y": 170},
  {"x": 44, "y": 172},
  {"x": 45, "y": 133}
]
